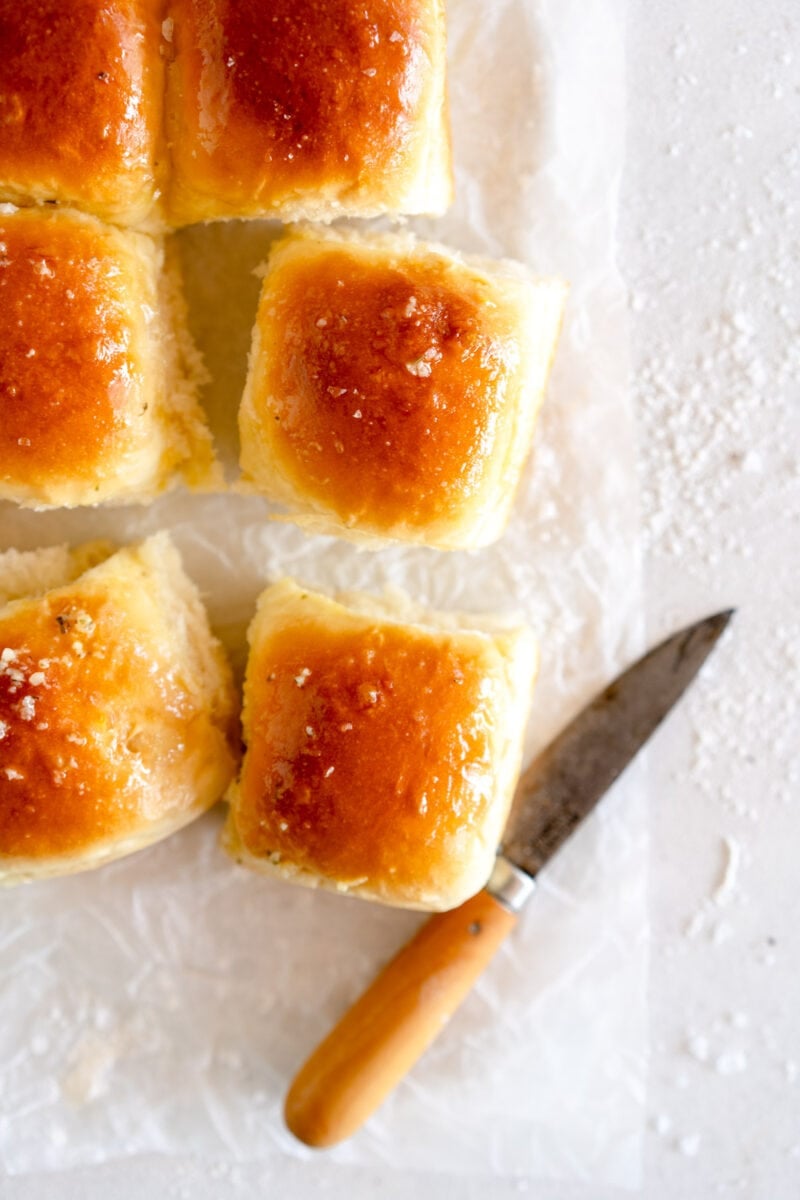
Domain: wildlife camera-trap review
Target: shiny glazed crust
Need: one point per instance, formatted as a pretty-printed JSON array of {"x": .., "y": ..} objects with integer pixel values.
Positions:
[
  {"x": 118, "y": 720},
  {"x": 393, "y": 386},
  {"x": 308, "y": 109},
  {"x": 383, "y": 747},
  {"x": 97, "y": 374},
  {"x": 81, "y": 93}
]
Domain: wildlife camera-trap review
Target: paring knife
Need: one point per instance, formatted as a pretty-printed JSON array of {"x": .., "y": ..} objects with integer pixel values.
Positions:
[{"x": 380, "y": 1038}]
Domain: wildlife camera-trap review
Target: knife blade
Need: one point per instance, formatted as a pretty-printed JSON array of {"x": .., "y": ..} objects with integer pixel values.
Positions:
[
  {"x": 384, "y": 1033},
  {"x": 564, "y": 783}
]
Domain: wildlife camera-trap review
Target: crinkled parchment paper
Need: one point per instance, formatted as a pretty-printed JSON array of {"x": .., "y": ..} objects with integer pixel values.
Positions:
[{"x": 162, "y": 1003}]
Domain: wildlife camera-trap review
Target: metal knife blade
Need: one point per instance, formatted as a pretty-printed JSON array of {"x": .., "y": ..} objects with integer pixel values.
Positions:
[{"x": 565, "y": 782}]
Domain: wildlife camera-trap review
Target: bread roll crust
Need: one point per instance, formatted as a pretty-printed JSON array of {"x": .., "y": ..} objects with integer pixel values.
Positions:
[
  {"x": 393, "y": 386},
  {"x": 97, "y": 399},
  {"x": 81, "y": 88},
  {"x": 307, "y": 108},
  {"x": 382, "y": 753},
  {"x": 117, "y": 713}
]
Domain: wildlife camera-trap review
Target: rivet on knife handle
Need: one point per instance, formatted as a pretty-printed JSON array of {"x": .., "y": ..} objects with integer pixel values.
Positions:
[{"x": 380, "y": 1038}]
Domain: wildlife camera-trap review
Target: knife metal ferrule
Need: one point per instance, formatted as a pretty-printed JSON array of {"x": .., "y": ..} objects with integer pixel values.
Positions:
[{"x": 510, "y": 886}]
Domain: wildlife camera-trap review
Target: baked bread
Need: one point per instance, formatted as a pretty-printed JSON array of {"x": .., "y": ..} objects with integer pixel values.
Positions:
[
  {"x": 301, "y": 109},
  {"x": 81, "y": 97},
  {"x": 393, "y": 387},
  {"x": 118, "y": 717},
  {"x": 98, "y": 377},
  {"x": 383, "y": 747}
]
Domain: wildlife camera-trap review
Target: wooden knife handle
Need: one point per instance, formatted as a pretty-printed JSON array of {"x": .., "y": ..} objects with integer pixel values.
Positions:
[{"x": 381, "y": 1037}]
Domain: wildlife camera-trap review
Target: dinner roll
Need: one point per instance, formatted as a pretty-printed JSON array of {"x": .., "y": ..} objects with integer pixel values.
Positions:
[
  {"x": 301, "y": 109},
  {"x": 118, "y": 717},
  {"x": 393, "y": 387},
  {"x": 382, "y": 747},
  {"x": 81, "y": 96},
  {"x": 98, "y": 376}
]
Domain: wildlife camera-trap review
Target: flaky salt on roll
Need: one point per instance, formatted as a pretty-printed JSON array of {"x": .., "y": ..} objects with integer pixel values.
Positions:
[
  {"x": 306, "y": 109},
  {"x": 98, "y": 375},
  {"x": 383, "y": 745},
  {"x": 118, "y": 715},
  {"x": 394, "y": 386},
  {"x": 81, "y": 96}
]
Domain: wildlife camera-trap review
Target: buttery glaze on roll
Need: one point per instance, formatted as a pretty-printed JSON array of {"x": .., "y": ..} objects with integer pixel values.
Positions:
[
  {"x": 307, "y": 109},
  {"x": 383, "y": 747},
  {"x": 118, "y": 716},
  {"x": 393, "y": 387},
  {"x": 97, "y": 372},
  {"x": 81, "y": 88}
]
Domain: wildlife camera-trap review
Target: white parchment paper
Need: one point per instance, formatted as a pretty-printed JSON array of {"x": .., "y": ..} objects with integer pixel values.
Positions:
[{"x": 162, "y": 1003}]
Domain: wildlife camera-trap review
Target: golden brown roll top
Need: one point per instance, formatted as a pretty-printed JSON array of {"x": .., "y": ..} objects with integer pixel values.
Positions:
[
  {"x": 382, "y": 750},
  {"x": 189, "y": 110},
  {"x": 117, "y": 710},
  {"x": 97, "y": 399},
  {"x": 393, "y": 387},
  {"x": 307, "y": 108},
  {"x": 81, "y": 94}
]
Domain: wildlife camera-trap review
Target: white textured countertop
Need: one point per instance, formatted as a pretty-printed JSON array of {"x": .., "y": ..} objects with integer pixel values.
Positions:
[{"x": 710, "y": 243}]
